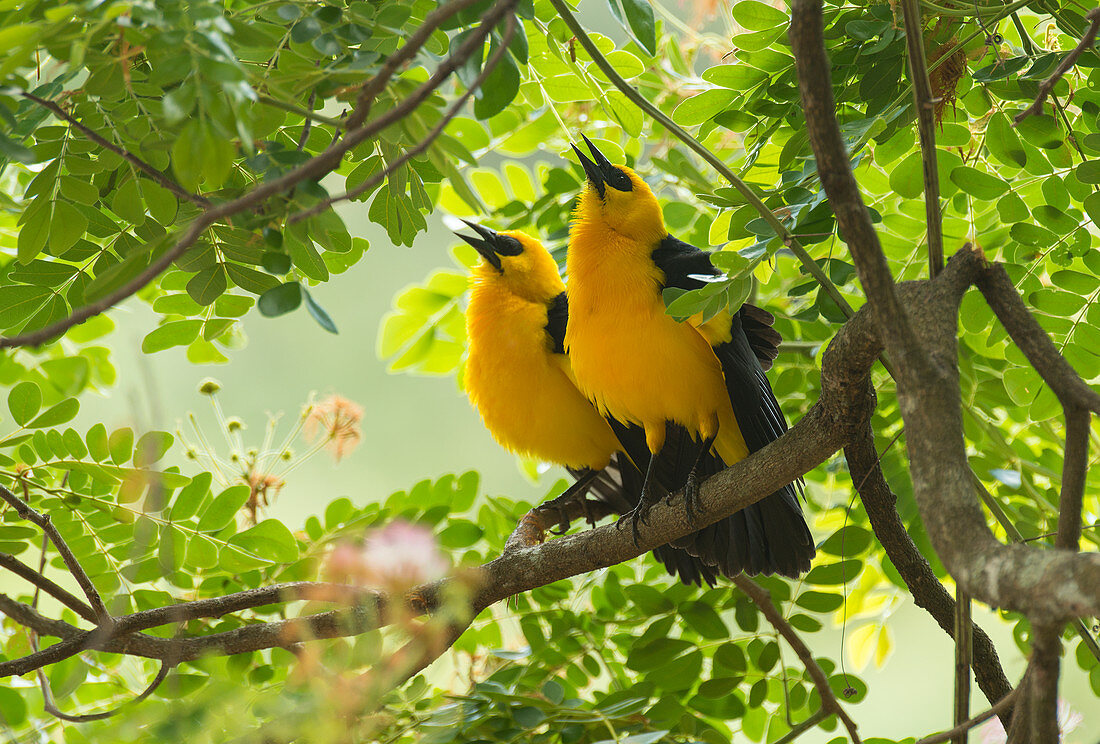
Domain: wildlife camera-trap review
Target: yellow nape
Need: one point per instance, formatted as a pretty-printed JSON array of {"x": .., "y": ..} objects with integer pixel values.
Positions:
[
  {"x": 521, "y": 388},
  {"x": 634, "y": 214}
]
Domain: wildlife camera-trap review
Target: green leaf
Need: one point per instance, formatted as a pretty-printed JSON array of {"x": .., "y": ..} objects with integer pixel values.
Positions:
[
  {"x": 191, "y": 497},
  {"x": 736, "y": 77},
  {"x": 173, "y": 333},
  {"x": 639, "y": 17},
  {"x": 66, "y": 226},
  {"x": 56, "y": 415},
  {"x": 224, "y": 507},
  {"x": 1002, "y": 141},
  {"x": 1075, "y": 281},
  {"x": 280, "y": 300},
  {"x": 656, "y": 653},
  {"x": 703, "y": 106},
  {"x": 1057, "y": 302},
  {"x": 121, "y": 443},
  {"x": 208, "y": 285},
  {"x": 269, "y": 539},
  {"x": 152, "y": 446},
  {"x": 499, "y": 88},
  {"x": 834, "y": 573},
  {"x": 702, "y": 618},
  {"x": 318, "y": 313},
  {"x": 35, "y": 230},
  {"x": 977, "y": 183},
  {"x": 819, "y": 601},
  {"x": 24, "y": 401},
  {"x": 19, "y": 302},
  {"x": 98, "y": 444},
  {"x": 757, "y": 16}
]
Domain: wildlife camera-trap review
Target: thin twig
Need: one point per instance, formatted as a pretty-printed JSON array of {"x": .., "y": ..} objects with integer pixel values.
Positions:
[
  {"x": 1002, "y": 705},
  {"x": 376, "y": 84},
  {"x": 926, "y": 127},
  {"x": 424, "y": 143},
  {"x": 964, "y": 654},
  {"x": 763, "y": 599},
  {"x": 315, "y": 168},
  {"x": 157, "y": 175},
  {"x": 50, "y": 706},
  {"x": 1074, "y": 470},
  {"x": 62, "y": 595},
  {"x": 800, "y": 728},
  {"x": 1093, "y": 17},
  {"x": 304, "y": 113},
  {"x": 44, "y": 523},
  {"x": 701, "y": 150},
  {"x": 1033, "y": 341}
]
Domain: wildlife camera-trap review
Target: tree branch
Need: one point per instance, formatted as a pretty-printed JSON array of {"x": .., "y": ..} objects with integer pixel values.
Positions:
[
  {"x": 1006, "y": 303},
  {"x": 926, "y": 127},
  {"x": 424, "y": 143},
  {"x": 1046, "y": 650},
  {"x": 928, "y": 593},
  {"x": 835, "y": 172},
  {"x": 1093, "y": 17},
  {"x": 157, "y": 175},
  {"x": 62, "y": 595},
  {"x": 1074, "y": 470},
  {"x": 313, "y": 169},
  {"x": 43, "y": 522},
  {"x": 763, "y": 599},
  {"x": 1002, "y": 706}
]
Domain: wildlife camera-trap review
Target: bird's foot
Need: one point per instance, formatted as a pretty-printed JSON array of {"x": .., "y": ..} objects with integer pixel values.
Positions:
[
  {"x": 691, "y": 497},
  {"x": 640, "y": 513},
  {"x": 560, "y": 506}
]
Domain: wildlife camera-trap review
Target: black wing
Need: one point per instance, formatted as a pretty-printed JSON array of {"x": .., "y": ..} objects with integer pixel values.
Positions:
[
  {"x": 619, "y": 485},
  {"x": 770, "y": 536}
]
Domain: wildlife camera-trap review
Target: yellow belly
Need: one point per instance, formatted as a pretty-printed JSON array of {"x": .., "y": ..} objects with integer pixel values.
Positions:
[
  {"x": 524, "y": 393},
  {"x": 638, "y": 364}
]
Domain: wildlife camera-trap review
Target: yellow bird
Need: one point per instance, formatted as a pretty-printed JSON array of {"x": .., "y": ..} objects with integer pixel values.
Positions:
[
  {"x": 696, "y": 388},
  {"x": 518, "y": 378}
]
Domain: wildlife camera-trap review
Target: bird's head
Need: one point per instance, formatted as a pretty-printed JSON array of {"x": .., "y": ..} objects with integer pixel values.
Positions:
[
  {"x": 618, "y": 197},
  {"x": 517, "y": 261}
]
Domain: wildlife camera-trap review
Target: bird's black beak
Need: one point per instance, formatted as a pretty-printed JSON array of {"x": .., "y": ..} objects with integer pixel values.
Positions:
[
  {"x": 595, "y": 175},
  {"x": 486, "y": 245},
  {"x": 605, "y": 166}
]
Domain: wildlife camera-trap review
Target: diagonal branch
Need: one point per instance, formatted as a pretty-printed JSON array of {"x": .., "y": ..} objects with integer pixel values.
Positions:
[
  {"x": 42, "y": 521},
  {"x": 835, "y": 171},
  {"x": 880, "y": 504},
  {"x": 1093, "y": 17},
  {"x": 425, "y": 142},
  {"x": 763, "y": 599},
  {"x": 62, "y": 595},
  {"x": 156, "y": 174},
  {"x": 1000, "y": 708},
  {"x": 313, "y": 169}
]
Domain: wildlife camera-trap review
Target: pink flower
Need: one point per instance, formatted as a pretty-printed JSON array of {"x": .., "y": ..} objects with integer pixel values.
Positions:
[
  {"x": 993, "y": 732},
  {"x": 397, "y": 556}
]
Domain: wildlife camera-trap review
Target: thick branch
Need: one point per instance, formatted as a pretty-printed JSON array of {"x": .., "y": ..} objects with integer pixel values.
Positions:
[
  {"x": 880, "y": 504},
  {"x": 1093, "y": 17},
  {"x": 835, "y": 173},
  {"x": 763, "y": 600},
  {"x": 926, "y": 127},
  {"x": 1046, "y": 648}
]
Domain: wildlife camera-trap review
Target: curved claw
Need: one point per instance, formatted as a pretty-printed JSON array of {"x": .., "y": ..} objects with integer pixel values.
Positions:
[{"x": 691, "y": 497}]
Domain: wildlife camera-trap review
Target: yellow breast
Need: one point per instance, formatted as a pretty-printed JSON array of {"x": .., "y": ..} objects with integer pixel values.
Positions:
[{"x": 523, "y": 390}]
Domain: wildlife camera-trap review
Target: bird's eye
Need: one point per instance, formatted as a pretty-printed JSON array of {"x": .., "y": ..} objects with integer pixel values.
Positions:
[
  {"x": 620, "y": 181},
  {"x": 508, "y": 246}
]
